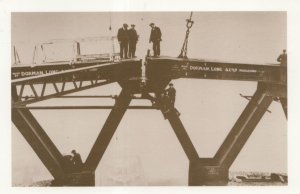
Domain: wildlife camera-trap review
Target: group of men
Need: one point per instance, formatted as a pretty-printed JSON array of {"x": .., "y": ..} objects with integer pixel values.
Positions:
[{"x": 128, "y": 39}]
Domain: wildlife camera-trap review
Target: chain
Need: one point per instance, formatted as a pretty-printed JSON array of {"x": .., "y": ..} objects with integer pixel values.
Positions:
[{"x": 189, "y": 24}]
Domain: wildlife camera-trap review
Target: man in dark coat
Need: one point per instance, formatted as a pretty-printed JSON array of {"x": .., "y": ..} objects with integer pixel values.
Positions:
[
  {"x": 133, "y": 38},
  {"x": 172, "y": 94},
  {"x": 283, "y": 64},
  {"x": 123, "y": 38},
  {"x": 155, "y": 38},
  {"x": 283, "y": 58},
  {"x": 77, "y": 161}
]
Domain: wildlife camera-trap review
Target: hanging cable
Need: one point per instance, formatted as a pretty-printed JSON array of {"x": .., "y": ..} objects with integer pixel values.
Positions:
[
  {"x": 189, "y": 24},
  {"x": 109, "y": 22},
  {"x": 112, "y": 39}
]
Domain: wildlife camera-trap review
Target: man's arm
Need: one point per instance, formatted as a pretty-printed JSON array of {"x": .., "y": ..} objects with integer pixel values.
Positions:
[
  {"x": 136, "y": 35},
  {"x": 279, "y": 58},
  {"x": 151, "y": 34},
  {"x": 119, "y": 35},
  {"x": 159, "y": 33}
]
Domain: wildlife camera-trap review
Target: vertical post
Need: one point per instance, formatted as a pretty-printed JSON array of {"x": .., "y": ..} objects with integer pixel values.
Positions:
[
  {"x": 16, "y": 56},
  {"x": 78, "y": 52},
  {"x": 108, "y": 130}
]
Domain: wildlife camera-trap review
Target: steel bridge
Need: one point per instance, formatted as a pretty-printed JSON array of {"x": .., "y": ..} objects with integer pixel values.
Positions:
[{"x": 50, "y": 80}]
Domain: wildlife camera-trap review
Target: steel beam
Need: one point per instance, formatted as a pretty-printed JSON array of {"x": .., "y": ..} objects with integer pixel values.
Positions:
[
  {"x": 81, "y": 107},
  {"x": 40, "y": 142},
  {"x": 64, "y": 73},
  {"x": 284, "y": 105},
  {"x": 243, "y": 128},
  {"x": 171, "y": 67},
  {"x": 182, "y": 135},
  {"x": 108, "y": 130},
  {"x": 58, "y": 94}
]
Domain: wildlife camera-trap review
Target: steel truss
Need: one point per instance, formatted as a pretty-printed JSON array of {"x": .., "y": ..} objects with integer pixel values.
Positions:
[{"x": 202, "y": 171}]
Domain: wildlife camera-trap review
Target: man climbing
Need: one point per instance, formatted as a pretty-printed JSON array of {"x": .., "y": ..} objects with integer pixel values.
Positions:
[
  {"x": 155, "y": 38},
  {"x": 168, "y": 101},
  {"x": 77, "y": 161},
  {"x": 172, "y": 94},
  {"x": 165, "y": 102}
]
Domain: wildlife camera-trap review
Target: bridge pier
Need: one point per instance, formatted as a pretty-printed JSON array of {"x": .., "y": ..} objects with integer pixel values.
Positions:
[
  {"x": 202, "y": 171},
  {"x": 83, "y": 178},
  {"x": 206, "y": 171}
]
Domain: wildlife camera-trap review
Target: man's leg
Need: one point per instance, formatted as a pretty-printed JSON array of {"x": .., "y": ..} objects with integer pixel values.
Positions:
[
  {"x": 154, "y": 48},
  {"x": 121, "y": 50},
  {"x": 130, "y": 49},
  {"x": 158, "y": 48},
  {"x": 133, "y": 49},
  {"x": 126, "y": 50}
]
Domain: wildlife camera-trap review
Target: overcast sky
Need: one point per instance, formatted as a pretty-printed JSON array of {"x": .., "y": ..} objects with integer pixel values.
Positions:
[{"x": 209, "y": 108}]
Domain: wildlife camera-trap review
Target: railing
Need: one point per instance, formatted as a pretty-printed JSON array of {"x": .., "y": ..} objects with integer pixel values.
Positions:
[{"x": 66, "y": 50}]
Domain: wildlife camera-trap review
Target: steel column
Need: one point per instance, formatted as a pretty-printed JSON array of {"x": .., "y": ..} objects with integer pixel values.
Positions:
[
  {"x": 182, "y": 135},
  {"x": 243, "y": 128},
  {"x": 108, "y": 130}
]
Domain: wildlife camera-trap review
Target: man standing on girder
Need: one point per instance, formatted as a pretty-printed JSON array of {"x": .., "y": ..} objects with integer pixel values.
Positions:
[
  {"x": 123, "y": 38},
  {"x": 155, "y": 38},
  {"x": 133, "y": 38},
  {"x": 283, "y": 58},
  {"x": 283, "y": 63}
]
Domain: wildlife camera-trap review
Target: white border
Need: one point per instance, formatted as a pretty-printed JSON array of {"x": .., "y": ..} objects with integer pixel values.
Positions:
[{"x": 8, "y": 6}]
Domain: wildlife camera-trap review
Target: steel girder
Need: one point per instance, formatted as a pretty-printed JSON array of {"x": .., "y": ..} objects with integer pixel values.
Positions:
[
  {"x": 182, "y": 135},
  {"x": 244, "y": 127},
  {"x": 40, "y": 142},
  {"x": 108, "y": 130}
]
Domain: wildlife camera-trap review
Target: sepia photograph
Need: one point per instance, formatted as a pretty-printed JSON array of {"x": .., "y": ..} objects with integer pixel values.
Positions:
[{"x": 149, "y": 98}]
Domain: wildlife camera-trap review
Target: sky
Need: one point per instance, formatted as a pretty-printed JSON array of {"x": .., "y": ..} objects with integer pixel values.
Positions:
[{"x": 209, "y": 108}]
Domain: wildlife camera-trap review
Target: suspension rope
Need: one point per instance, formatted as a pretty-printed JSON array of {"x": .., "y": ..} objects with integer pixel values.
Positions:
[{"x": 189, "y": 24}]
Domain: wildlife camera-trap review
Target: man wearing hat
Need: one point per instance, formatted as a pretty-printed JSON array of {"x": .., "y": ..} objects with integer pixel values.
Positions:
[
  {"x": 123, "y": 38},
  {"x": 172, "y": 94},
  {"x": 133, "y": 38},
  {"x": 283, "y": 64},
  {"x": 155, "y": 38},
  {"x": 283, "y": 58},
  {"x": 76, "y": 160}
]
